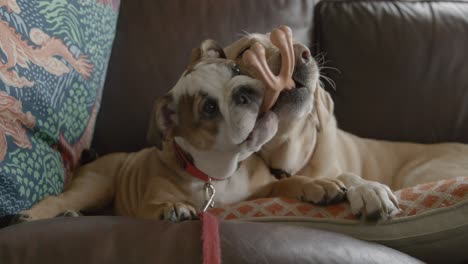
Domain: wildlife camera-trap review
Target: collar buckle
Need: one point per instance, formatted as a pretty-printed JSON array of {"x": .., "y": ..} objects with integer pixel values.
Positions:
[{"x": 209, "y": 196}]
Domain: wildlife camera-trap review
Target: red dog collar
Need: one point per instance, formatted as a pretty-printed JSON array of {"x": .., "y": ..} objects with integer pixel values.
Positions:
[
  {"x": 210, "y": 227},
  {"x": 188, "y": 166}
]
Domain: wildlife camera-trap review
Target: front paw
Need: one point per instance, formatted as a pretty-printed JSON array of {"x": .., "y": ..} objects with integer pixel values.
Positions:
[
  {"x": 70, "y": 213},
  {"x": 176, "y": 212},
  {"x": 323, "y": 191},
  {"x": 372, "y": 200},
  {"x": 22, "y": 217},
  {"x": 318, "y": 191}
]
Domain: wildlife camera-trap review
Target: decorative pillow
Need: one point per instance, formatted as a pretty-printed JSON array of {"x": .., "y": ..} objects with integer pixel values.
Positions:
[
  {"x": 434, "y": 217},
  {"x": 53, "y": 60}
]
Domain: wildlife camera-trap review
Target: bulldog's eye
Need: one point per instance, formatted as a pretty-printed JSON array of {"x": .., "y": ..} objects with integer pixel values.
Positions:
[
  {"x": 210, "y": 108},
  {"x": 242, "y": 51},
  {"x": 235, "y": 70}
]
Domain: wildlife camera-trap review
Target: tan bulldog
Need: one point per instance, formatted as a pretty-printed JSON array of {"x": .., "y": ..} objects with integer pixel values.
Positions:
[
  {"x": 204, "y": 131},
  {"x": 309, "y": 143}
]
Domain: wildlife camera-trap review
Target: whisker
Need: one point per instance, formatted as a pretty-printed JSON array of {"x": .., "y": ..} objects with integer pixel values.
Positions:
[
  {"x": 321, "y": 62},
  {"x": 329, "y": 80},
  {"x": 243, "y": 33},
  {"x": 330, "y": 68},
  {"x": 320, "y": 58},
  {"x": 321, "y": 83}
]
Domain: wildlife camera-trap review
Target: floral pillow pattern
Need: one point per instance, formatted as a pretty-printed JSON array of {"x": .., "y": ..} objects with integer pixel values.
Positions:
[{"x": 53, "y": 60}]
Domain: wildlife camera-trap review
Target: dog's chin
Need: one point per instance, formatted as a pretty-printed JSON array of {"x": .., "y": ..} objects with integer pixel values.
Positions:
[{"x": 294, "y": 103}]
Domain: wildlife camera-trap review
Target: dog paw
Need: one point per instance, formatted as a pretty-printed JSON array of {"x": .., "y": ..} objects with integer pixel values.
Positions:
[
  {"x": 69, "y": 213},
  {"x": 19, "y": 218},
  {"x": 323, "y": 191},
  {"x": 177, "y": 212},
  {"x": 372, "y": 200}
]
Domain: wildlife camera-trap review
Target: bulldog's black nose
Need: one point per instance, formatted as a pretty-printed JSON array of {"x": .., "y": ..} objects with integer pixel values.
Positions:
[{"x": 245, "y": 95}]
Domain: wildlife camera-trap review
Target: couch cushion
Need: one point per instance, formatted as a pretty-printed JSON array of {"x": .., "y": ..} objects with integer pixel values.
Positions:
[
  {"x": 53, "y": 60},
  {"x": 126, "y": 240},
  {"x": 432, "y": 225},
  {"x": 153, "y": 43},
  {"x": 402, "y": 66}
]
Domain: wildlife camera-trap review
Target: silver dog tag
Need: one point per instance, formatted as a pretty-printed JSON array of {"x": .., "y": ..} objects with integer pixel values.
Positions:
[{"x": 209, "y": 196}]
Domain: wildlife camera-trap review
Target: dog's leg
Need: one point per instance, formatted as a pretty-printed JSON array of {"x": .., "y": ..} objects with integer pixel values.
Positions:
[
  {"x": 318, "y": 191},
  {"x": 171, "y": 211},
  {"x": 91, "y": 187},
  {"x": 368, "y": 198}
]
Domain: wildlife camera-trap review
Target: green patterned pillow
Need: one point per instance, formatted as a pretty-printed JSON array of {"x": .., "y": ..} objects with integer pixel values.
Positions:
[{"x": 53, "y": 61}]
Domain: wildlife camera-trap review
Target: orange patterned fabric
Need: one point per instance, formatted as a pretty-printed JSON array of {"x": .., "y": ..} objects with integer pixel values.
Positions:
[{"x": 414, "y": 200}]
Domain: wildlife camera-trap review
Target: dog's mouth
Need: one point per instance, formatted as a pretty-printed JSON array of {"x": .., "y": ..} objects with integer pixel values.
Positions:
[
  {"x": 293, "y": 103},
  {"x": 291, "y": 95},
  {"x": 299, "y": 83}
]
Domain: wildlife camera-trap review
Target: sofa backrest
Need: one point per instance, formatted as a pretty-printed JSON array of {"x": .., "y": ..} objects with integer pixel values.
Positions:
[{"x": 403, "y": 67}]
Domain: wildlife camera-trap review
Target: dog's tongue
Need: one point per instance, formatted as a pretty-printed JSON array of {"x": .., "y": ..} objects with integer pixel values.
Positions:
[{"x": 255, "y": 57}]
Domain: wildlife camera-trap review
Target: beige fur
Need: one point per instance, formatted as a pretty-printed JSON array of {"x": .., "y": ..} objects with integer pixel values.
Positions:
[
  {"x": 152, "y": 184},
  {"x": 313, "y": 145}
]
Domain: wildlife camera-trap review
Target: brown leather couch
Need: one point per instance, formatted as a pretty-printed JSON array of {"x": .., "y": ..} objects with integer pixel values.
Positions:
[{"x": 403, "y": 76}]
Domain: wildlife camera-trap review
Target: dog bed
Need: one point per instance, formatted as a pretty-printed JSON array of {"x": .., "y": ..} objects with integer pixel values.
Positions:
[{"x": 433, "y": 221}]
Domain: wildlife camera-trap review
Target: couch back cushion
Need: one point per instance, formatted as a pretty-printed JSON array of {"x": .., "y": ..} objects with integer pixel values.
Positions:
[
  {"x": 402, "y": 67},
  {"x": 53, "y": 60},
  {"x": 152, "y": 48}
]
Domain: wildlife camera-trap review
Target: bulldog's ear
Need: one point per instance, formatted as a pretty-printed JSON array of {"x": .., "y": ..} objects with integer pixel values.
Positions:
[
  {"x": 211, "y": 49},
  {"x": 323, "y": 106},
  {"x": 162, "y": 121},
  {"x": 208, "y": 49}
]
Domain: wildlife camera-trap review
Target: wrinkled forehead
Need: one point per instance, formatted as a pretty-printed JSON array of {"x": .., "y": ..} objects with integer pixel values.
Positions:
[
  {"x": 245, "y": 42},
  {"x": 209, "y": 77},
  {"x": 240, "y": 45},
  {"x": 262, "y": 38}
]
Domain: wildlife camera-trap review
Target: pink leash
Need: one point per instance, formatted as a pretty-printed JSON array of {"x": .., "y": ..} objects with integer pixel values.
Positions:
[
  {"x": 210, "y": 238},
  {"x": 211, "y": 249}
]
